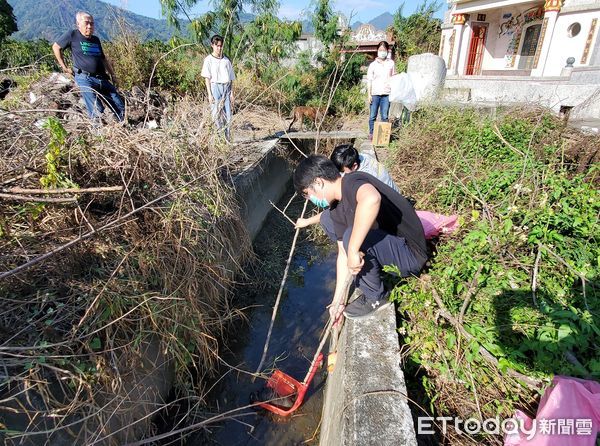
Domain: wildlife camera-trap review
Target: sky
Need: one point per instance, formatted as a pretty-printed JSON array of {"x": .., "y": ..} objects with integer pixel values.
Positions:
[{"x": 361, "y": 10}]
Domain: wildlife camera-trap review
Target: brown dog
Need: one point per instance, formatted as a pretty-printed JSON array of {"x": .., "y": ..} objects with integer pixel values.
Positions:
[{"x": 299, "y": 113}]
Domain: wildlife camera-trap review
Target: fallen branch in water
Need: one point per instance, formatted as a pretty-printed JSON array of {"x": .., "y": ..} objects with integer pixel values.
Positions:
[
  {"x": 280, "y": 293},
  {"x": 282, "y": 213}
]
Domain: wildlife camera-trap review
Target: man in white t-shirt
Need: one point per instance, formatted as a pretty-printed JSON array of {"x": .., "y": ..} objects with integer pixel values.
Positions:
[{"x": 218, "y": 74}]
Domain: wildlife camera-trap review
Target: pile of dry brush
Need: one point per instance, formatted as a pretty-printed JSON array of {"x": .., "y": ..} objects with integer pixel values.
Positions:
[{"x": 118, "y": 249}]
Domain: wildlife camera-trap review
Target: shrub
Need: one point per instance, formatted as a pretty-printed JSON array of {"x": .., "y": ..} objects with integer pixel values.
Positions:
[
  {"x": 32, "y": 54},
  {"x": 525, "y": 259}
]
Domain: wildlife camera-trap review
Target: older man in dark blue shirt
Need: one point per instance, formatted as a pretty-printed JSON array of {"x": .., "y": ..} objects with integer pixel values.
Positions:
[{"x": 90, "y": 67}]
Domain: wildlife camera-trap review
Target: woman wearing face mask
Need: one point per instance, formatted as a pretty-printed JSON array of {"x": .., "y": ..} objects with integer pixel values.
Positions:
[{"x": 378, "y": 85}]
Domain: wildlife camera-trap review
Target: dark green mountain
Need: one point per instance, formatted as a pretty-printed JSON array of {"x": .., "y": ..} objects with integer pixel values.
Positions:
[{"x": 48, "y": 19}]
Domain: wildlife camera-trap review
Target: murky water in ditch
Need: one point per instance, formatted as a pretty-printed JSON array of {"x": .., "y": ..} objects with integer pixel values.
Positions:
[{"x": 296, "y": 333}]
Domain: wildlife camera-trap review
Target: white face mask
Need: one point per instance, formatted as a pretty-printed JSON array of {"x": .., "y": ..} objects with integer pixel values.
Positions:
[{"x": 382, "y": 54}]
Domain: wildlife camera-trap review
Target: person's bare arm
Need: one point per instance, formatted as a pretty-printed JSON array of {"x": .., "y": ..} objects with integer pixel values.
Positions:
[
  {"x": 368, "y": 201},
  {"x": 57, "y": 50},
  {"x": 370, "y": 83},
  {"x": 208, "y": 90},
  {"x": 342, "y": 272},
  {"x": 304, "y": 222}
]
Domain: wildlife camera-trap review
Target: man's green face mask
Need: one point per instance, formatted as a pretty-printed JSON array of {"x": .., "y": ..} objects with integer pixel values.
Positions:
[{"x": 320, "y": 202}]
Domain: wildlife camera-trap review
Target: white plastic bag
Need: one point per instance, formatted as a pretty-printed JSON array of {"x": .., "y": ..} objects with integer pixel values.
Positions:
[{"x": 403, "y": 91}]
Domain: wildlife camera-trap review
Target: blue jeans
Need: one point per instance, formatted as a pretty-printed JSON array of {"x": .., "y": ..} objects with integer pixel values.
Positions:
[
  {"x": 221, "y": 107},
  {"x": 96, "y": 92},
  {"x": 381, "y": 103}
]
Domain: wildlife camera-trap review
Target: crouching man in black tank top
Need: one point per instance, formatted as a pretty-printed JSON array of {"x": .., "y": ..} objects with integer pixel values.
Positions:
[{"x": 373, "y": 224}]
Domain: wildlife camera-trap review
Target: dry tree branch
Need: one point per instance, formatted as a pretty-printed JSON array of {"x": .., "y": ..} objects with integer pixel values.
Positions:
[
  {"x": 280, "y": 292},
  {"x": 70, "y": 190},
  {"x": 39, "y": 110},
  {"x": 509, "y": 145},
  {"x": 290, "y": 202},
  {"x": 470, "y": 292},
  {"x": 219, "y": 417},
  {"x": 532, "y": 383},
  {"x": 282, "y": 213},
  {"x": 535, "y": 276},
  {"x": 16, "y": 197},
  {"x": 23, "y": 176}
]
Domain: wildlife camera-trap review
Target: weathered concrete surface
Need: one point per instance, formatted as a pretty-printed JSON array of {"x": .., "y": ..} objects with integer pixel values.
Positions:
[
  {"x": 427, "y": 73},
  {"x": 365, "y": 396},
  {"x": 266, "y": 180},
  {"x": 550, "y": 92},
  {"x": 346, "y": 134}
]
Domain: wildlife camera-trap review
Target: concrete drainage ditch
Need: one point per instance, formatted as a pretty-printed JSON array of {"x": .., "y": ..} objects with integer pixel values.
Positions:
[{"x": 365, "y": 398}]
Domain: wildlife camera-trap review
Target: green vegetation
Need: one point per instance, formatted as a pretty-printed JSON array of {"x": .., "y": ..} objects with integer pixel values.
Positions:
[
  {"x": 325, "y": 23},
  {"x": 8, "y": 22},
  {"x": 267, "y": 40},
  {"x": 226, "y": 18},
  {"x": 48, "y": 19},
  {"x": 521, "y": 273},
  {"x": 55, "y": 157},
  {"x": 31, "y": 54},
  {"x": 416, "y": 34},
  {"x": 174, "y": 69}
]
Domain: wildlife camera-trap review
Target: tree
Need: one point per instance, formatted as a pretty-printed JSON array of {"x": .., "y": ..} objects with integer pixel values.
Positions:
[
  {"x": 224, "y": 18},
  {"x": 325, "y": 22},
  {"x": 418, "y": 33},
  {"x": 8, "y": 22},
  {"x": 267, "y": 39}
]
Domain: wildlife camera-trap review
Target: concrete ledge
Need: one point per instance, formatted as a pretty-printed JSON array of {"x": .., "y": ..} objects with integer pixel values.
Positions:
[
  {"x": 365, "y": 396},
  {"x": 547, "y": 92},
  {"x": 266, "y": 180}
]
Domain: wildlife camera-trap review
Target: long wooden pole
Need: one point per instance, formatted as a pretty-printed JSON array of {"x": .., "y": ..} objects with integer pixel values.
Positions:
[
  {"x": 280, "y": 293},
  {"x": 340, "y": 297}
]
